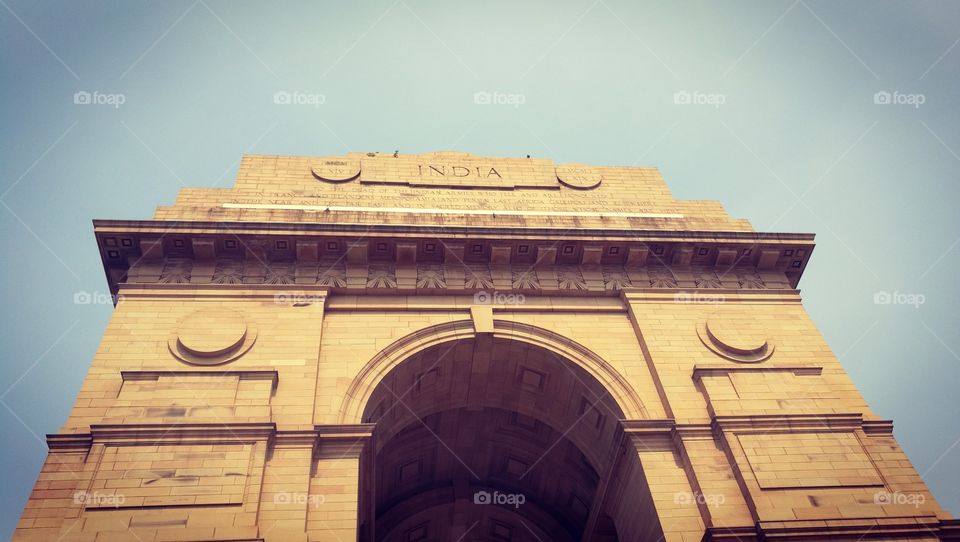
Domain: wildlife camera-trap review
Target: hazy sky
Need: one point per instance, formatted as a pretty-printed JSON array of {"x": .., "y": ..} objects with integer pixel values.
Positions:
[{"x": 782, "y": 126}]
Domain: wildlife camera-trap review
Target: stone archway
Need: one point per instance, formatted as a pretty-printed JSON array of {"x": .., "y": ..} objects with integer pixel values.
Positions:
[
  {"x": 358, "y": 395},
  {"x": 492, "y": 436}
]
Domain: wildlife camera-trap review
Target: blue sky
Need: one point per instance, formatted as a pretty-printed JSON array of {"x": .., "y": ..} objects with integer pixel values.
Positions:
[{"x": 787, "y": 133}]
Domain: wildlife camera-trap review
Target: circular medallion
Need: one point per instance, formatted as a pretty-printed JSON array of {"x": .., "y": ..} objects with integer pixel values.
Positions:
[
  {"x": 335, "y": 170},
  {"x": 212, "y": 337},
  {"x": 735, "y": 340},
  {"x": 579, "y": 176}
]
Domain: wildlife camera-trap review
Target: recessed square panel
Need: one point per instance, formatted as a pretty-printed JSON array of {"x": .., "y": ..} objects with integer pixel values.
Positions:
[
  {"x": 531, "y": 380},
  {"x": 410, "y": 471},
  {"x": 500, "y": 530},
  {"x": 418, "y": 533},
  {"x": 516, "y": 467}
]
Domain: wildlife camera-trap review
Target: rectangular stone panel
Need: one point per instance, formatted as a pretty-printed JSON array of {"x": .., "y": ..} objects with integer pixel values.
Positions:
[
  {"x": 170, "y": 475},
  {"x": 171, "y": 397},
  {"x": 808, "y": 460}
]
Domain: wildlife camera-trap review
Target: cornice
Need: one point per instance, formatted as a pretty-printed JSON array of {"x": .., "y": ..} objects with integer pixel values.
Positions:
[
  {"x": 731, "y": 534},
  {"x": 720, "y": 369},
  {"x": 69, "y": 442},
  {"x": 328, "y": 437},
  {"x": 491, "y": 283},
  {"x": 851, "y": 528},
  {"x": 789, "y": 422},
  {"x": 243, "y": 374},
  {"x": 343, "y": 441},
  {"x": 259, "y": 248},
  {"x": 387, "y": 230},
  {"x": 180, "y": 434}
]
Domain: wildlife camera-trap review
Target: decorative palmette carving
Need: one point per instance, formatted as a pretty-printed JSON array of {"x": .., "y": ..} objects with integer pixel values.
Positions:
[
  {"x": 526, "y": 280},
  {"x": 176, "y": 271},
  {"x": 570, "y": 278},
  {"x": 228, "y": 272},
  {"x": 477, "y": 277},
  {"x": 430, "y": 276},
  {"x": 615, "y": 278},
  {"x": 279, "y": 273},
  {"x": 382, "y": 276},
  {"x": 661, "y": 277},
  {"x": 706, "y": 278},
  {"x": 750, "y": 280},
  {"x": 333, "y": 273}
]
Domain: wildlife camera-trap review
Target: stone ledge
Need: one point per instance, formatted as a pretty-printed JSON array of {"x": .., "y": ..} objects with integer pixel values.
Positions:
[
  {"x": 718, "y": 369},
  {"x": 839, "y": 529},
  {"x": 828, "y": 421},
  {"x": 243, "y": 374},
  {"x": 851, "y": 529},
  {"x": 205, "y": 433},
  {"x": 209, "y": 433}
]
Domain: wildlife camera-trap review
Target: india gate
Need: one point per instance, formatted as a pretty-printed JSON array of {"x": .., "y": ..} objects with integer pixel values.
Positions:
[{"x": 449, "y": 347}]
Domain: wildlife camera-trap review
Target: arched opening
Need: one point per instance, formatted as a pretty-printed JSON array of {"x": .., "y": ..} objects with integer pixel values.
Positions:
[{"x": 485, "y": 438}]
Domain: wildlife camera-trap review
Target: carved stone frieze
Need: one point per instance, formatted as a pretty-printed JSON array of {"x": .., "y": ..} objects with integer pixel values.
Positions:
[{"x": 340, "y": 274}]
